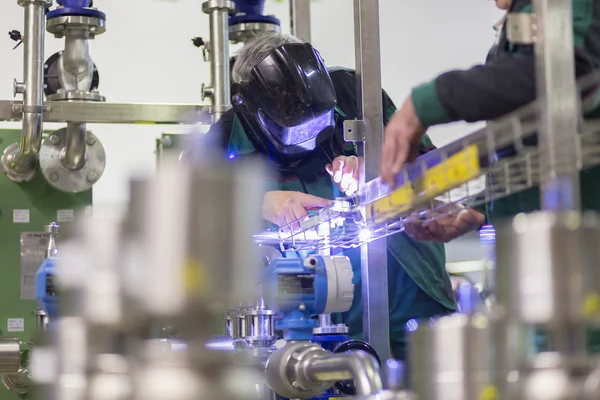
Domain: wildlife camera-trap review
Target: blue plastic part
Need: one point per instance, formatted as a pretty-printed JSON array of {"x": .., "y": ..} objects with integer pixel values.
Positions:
[
  {"x": 329, "y": 342},
  {"x": 74, "y": 3},
  {"x": 44, "y": 287},
  {"x": 251, "y": 11},
  {"x": 76, "y": 11},
  {"x": 287, "y": 284},
  {"x": 241, "y": 19}
]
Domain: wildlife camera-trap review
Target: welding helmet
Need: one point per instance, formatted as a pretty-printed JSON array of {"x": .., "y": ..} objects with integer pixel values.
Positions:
[{"x": 287, "y": 105}]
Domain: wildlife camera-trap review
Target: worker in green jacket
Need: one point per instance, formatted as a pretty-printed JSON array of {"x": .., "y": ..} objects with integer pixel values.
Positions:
[
  {"x": 503, "y": 84},
  {"x": 288, "y": 107}
]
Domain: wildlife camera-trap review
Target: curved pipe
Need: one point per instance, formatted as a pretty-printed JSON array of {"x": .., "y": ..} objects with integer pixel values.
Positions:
[
  {"x": 360, "y": 366},
  {"x": 33, "y": 89},
  {"x": 76, "y": 68},
  {"x": 74, "y": 157}
]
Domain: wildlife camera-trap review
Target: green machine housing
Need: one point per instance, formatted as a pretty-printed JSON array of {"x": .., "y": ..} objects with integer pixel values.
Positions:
[{"x": 25, "y": 208}]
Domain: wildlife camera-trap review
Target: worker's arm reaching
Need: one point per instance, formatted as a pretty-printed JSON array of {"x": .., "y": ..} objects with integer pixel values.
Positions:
[{"x": 505, "y": 83}]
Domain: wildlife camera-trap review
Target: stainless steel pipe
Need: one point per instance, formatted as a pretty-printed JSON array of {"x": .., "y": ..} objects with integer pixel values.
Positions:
[
  {"x": 357, "y": 365},
  {"x": 22, "y": 161},
  {"x": 74, "y": 156},
  {"x": 220, "y": 87},
  {"x": 10, "y": 355}
]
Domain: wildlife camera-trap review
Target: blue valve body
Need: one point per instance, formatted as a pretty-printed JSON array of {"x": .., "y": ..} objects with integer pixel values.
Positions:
[
  {"x": 45, "y": 288},
  {"x": 298, "y": 291},
  {"x": 248, "y": 11},
  {"x": 75, "y": 8}
]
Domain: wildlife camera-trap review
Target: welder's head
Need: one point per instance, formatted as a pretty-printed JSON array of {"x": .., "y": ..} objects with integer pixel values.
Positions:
[
  {"x": 283, "y": 96},
  {"x": 503, "y": 4}
]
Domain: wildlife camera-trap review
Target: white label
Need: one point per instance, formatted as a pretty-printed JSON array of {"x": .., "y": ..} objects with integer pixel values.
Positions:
[
  {"x": 16, "y": 325},
  {"x": 21, "y": 216},
  {"x": 64, "y": 215}
]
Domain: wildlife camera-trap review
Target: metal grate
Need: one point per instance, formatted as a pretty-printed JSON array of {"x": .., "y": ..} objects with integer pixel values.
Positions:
[{"x": 490, "y": 164}]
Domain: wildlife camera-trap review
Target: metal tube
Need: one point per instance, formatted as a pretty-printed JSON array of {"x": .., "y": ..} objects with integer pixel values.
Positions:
[
  {"x": 324, "y": 319},
  {"x": 356, "y": 365},
  {"x": 74, "y": 157},
  {"x": 556, "y": 87},
  {"x": 10, "y": 355},
  {"x": 33, "y": 96},
  {"x": 220, "y": 90},
  {"x": 300, "y": 19},
  {"x": 373, "y": 255}
]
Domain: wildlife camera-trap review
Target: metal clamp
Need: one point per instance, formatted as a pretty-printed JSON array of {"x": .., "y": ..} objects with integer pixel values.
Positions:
[
  {"x": 356, "y": 130},
  {"x": 521, "y": 28}
]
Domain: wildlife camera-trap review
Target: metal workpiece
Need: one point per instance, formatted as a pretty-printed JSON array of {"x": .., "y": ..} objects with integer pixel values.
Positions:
[
  {"x": 300, "y": 19},
  {"x": 72, "y": 159},
  {"x": 110, "y": 378},
  {"x": 543, "y": 277},
  {"x": 559, "y": 112},
  {"x": 304, "y": 370},
  {"x": 219, "y": 89},
  {"x": 451, "y": 359},
  {"x": 19, "y": 162},
  {"x": 52, "y": 231},
  {"x": 112, "y": 113},
  {"x": 10, "y": 355},
  {"x": 370, "y": 109},
  {"x": 231, "y": 196}
]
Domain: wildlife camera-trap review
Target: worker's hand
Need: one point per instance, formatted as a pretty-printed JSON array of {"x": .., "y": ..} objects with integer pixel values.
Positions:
[
  {"x": 446, "y": 228},
  {"x": 344, "y": 173},
  {"x": 283, "y": 208},
  {"x": 401, "y": 142}
]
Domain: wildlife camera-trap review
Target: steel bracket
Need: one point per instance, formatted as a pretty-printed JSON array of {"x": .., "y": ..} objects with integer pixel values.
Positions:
[{"x": 356, "y": 130}]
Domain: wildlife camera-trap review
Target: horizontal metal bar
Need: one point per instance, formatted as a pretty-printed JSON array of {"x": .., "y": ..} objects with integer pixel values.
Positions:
[{"x": 112, "y": 113}]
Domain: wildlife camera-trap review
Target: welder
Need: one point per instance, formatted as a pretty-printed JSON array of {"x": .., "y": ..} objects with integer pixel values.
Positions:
[{"x": 288, "y": 107}]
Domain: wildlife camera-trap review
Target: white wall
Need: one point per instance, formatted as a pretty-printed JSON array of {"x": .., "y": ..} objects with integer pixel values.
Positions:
[{"x": 146, "y": 56}]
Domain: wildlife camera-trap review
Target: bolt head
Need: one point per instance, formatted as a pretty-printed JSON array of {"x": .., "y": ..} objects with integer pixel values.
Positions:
[
  {"x": 53, "y": 176},
  {"x": 91, "y": 140},
  {"x": 302, "y": 307},
  {"x": 54, "y": 139},
  {"x": 92, "y": 176}
]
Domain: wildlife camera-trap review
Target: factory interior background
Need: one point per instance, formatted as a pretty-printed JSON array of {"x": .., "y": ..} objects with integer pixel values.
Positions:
[{"x": 146, "y": 55}]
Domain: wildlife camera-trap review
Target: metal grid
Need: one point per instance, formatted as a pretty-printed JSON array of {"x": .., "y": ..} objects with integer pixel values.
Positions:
[{"x": 487, "y": 165}]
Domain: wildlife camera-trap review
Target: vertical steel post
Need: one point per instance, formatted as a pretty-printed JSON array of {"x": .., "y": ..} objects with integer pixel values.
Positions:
[
  {"x": 557, "y": 92},
  {"x": 300, "y": 19},
  {"x": 220, "y": 88},
  {"x": 557, "y": 132},
  {"x": 370, "y": 110}
]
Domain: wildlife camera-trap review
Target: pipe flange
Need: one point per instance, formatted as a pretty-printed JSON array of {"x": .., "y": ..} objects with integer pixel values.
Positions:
[
  {"x": 45, "y": 3},
  {"x": 339, "y": 329},
  {"x": 284, "y": 371},
  {"x": 17, "y": 383},
  {"x": 76, "y": 96},
  {"x": 210, "y": 5},
  {"x": 58, "y": 26},
  {"x": 246, "y": 31},
  {"x": 7, "y": 165},
  {"x": 67, "y": 180}
]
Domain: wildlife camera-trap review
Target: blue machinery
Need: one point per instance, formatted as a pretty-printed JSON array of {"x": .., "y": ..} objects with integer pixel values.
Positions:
[{"x": 298, "y": 289}]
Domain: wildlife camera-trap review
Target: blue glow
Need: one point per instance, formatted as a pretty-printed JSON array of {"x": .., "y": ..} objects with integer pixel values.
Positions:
[
  {"x": 487, "y": 234},
  {"x": 231, "y": 156},
  {"x": 412, "y": 325}
]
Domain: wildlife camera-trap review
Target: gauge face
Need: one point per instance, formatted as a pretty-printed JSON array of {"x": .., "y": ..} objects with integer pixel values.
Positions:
[{"x": 302, "y": 284}]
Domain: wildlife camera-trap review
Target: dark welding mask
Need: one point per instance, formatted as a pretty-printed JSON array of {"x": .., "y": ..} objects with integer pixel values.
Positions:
[{"x": 287, "y": 106}]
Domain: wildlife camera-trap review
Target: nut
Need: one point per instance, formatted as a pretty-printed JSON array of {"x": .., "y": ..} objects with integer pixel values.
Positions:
[{"x": 53, "y": 176}]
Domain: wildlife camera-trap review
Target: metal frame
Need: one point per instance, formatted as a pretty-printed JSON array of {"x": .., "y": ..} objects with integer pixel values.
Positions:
[
  {"x": 370, "y": 112},
  {"x": 557, "y": 92},
  {"x": 112, "y": 113},
  {"x": 300, "y": 19}
]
